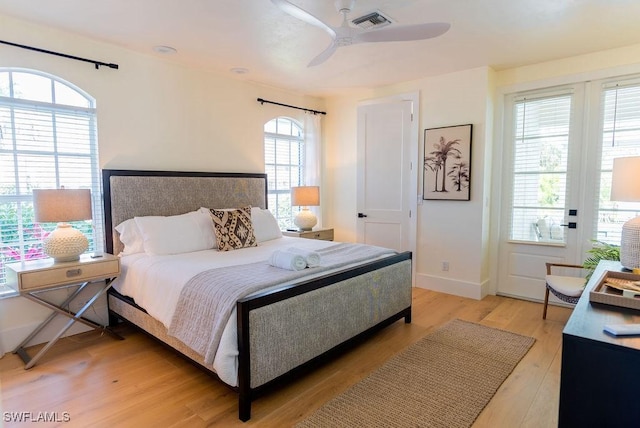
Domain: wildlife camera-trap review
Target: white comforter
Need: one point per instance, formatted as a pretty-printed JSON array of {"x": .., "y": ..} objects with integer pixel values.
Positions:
[{"x": 155, "y": 283}]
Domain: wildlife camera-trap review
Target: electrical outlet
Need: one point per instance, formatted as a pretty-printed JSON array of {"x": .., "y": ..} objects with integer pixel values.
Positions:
[{"x": 445, "y": 266}]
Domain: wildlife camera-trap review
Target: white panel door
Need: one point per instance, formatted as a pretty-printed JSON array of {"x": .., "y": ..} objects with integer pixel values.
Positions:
[
  {"x": 544, "y": 160},
  {"x": 387, "y": 181}
]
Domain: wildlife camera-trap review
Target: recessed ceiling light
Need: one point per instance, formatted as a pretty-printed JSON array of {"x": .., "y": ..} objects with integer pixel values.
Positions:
[
  {"x": 239, "y": 70},
  {"x": 165, "y": 50}
]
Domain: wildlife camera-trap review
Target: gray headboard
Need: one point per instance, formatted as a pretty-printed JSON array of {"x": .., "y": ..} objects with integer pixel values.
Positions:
[{"x": 131, "y": 193}]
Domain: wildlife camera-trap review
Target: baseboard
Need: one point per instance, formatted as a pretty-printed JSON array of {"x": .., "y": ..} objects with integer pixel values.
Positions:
[{"x": 472, "y": 290}]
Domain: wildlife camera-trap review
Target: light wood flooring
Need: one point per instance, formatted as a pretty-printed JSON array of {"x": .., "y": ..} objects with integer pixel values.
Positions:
[{"x": 102, "y": 382}]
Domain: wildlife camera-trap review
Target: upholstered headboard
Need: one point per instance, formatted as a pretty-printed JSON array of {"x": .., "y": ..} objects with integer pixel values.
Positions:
[{"x": 131, "y": 193}]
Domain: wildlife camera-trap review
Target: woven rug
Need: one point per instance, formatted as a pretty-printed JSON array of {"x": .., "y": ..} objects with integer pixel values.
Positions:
[{"x": 443, "y": 380}]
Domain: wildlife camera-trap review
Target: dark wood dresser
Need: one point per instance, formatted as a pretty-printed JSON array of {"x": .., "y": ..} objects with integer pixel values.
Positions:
[{"x": 600, "y": 377}]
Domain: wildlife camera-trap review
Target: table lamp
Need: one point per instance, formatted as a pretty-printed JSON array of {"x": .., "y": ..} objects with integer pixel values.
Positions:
[
  {"x": 305, "y": 196},
  {"x": 65, "y": 243},
  {"x": 625, "y": 187}
]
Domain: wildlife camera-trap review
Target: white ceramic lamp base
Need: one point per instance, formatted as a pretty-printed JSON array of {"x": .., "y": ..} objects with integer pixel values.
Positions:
[
  {"x": 65, "y": 244},
  {"x": 305, "y": 219},
  {"x": 630, "y": 244}
]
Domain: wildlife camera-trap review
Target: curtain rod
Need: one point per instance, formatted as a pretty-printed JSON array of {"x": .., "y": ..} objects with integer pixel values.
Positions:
[
  {"x": 261, "y": 101},
  {"x": 94, "y": 62}
]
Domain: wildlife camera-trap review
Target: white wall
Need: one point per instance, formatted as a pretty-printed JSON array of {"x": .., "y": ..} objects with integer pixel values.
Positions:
[
  {"x": 341, "y": 142},
  {"x": 453, "y": 231},
  {"x": 457, "y": 231},
  {"x": 610, "y": 63},
  {"x": 152, "y": 114}
]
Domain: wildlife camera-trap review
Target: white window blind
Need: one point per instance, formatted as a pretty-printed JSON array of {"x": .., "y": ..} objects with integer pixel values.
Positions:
[
  {"x": 541, "y": 143},
  {"x": 47, "y": 140},
  {"x": 620, "y": 138},
  {"x": 284, "y": 154}
]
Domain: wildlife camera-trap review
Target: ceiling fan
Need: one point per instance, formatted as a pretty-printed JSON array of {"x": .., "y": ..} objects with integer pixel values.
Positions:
[{"x": 346, "y": 35}]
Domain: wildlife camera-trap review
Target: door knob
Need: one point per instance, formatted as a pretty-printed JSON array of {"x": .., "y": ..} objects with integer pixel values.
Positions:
[
  {"x": 571, "y": 225},
  {"x": 361, "y": 215}
]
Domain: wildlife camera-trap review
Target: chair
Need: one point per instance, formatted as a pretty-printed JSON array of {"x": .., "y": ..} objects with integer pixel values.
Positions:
[{"x": 566, "y": 288}]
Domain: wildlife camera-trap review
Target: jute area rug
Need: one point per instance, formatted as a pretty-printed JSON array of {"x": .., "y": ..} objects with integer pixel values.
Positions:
[{"x": 443, "y": 380}]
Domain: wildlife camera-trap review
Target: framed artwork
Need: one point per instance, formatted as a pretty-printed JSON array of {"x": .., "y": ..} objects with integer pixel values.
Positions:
[{"x": 447, "y": 163}]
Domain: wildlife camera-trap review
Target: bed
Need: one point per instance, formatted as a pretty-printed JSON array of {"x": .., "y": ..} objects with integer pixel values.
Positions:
[{"x": 272, "y": 334}]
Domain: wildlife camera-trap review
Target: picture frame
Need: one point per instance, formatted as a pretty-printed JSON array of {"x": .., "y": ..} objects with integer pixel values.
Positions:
[{"x": 447, "y": 163}]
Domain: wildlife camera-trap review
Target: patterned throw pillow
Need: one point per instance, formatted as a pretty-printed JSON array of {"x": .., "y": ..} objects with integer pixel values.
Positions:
[{"x": 233, "y": 228}]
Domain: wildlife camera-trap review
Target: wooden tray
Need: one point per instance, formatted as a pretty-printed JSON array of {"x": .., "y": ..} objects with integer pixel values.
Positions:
[{"x": 603, "y": 293}]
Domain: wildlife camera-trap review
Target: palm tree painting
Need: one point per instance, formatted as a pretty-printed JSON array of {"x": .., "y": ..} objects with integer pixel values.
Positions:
[{"x": 447, "y": 163}]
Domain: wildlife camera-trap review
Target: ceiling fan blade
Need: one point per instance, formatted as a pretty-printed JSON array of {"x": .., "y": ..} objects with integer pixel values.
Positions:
[
  {"x": 404, "y": 33},
  {"x": 324, "y": 55},
  {"x": 303, "y": 15}
]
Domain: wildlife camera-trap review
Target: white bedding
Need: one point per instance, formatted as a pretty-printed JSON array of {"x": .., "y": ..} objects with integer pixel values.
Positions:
[{"x": 155, "y": 283}]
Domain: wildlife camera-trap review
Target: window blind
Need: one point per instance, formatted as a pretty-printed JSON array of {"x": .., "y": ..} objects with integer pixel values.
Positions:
[
  {"x": 47, "y": 140},
  {"x": 284, "y": 154},
  {"x": 620, "y": 138},
  {"x": 541, "y": 144}
]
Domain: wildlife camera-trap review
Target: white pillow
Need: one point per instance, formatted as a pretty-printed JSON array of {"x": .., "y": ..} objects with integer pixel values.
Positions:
[
  {"x": 265, "y": 225},
  {"x": 131, "y": 237},
  {"x": 177, "y": 234}
]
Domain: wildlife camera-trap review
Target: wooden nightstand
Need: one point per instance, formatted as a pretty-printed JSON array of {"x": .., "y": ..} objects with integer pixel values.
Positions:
[
  {"x": 322, "y": 234},
  {"x": 34, "y": 277}
]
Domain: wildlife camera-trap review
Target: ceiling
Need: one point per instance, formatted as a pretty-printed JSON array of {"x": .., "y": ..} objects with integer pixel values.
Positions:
[{"x": 275, "y": 48}]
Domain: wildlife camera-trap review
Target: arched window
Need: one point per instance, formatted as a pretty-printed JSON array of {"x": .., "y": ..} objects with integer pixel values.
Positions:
[
  {"x": 284, "y": 160},
  {"x": 48, "y": 139}
]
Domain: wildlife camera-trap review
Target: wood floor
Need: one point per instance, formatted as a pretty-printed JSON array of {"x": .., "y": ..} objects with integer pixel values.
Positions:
[{"x": 102, "y": 382}]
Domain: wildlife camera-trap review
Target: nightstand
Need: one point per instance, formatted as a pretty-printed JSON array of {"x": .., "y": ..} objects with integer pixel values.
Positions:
[
  {"x": 32, "y": 278},
  {"x": 322, "y": 234}
]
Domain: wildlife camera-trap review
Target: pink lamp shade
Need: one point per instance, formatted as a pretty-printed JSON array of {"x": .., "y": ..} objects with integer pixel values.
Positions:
[
  {"x": 625, "y": 182},
  {"x": 61, "y": 206},
  {"x": 625, "y": 187},
  {"x": 305, "y": 196}
]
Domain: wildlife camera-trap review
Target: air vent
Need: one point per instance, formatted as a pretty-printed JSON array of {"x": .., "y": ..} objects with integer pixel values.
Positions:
[{"x": 374, "y": 19}]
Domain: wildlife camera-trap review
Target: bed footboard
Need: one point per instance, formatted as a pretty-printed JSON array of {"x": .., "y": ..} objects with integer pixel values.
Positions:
[
  {"x": 280, "y": 332},
  {"x": 284, "y": 331}
]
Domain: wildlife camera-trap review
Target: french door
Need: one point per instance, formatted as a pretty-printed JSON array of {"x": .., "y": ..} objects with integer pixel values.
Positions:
[{"x": 559, "y": 146}]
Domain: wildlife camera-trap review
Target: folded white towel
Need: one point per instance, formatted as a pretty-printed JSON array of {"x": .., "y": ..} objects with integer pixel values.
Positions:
[
  {"x": 311, "y": 257},
  {"x": 287, "y": 260}
]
